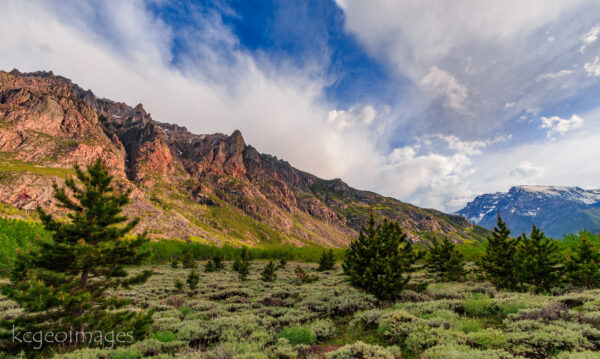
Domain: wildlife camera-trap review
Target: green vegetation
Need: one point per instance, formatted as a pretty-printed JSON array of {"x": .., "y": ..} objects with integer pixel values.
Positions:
[
  {"x": 380, "y": 260},
  {"x": 327, "y": 261},
  {"x": 444, "y": 261},
  {"x": 62, "y": 284}
]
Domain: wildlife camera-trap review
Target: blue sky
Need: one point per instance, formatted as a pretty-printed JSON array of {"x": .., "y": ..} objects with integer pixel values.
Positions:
[{"x": 429, "y": 102}]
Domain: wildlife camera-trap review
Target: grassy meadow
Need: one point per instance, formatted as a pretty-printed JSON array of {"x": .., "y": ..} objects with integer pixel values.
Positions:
[{"x": 226, "y": 318}]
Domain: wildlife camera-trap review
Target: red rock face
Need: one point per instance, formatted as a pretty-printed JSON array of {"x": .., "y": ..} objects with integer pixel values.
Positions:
[{"x": 47, "y": 121}]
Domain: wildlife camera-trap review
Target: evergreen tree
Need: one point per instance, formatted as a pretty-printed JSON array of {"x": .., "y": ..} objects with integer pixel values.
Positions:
[
  {"x": 218, "y": 262},
  {"x": 192, "y": 280},
  {"x": 380, "y": 260},
  {"x": 178, "y": 286},
  {"x": 188, "y": 261},
  {"x": 538, "y": 261},
  {"x": 236, "y": 265},
  {"x": 327, "y": 261},
  {"x": 209, "y": 266},
  {"x": 282, "y": 263},
  {"x": 174, "y": 263},
  {"x": 64, "y": 284},
  {"x": 268, "y": 274},
  {"x": 583, "y": 267},
  {"x": 244, "y": 270},
  {"x": 498, "y": 262},
  {"x": 444, "y": 261},
  {"x": 245, "y": 254}
]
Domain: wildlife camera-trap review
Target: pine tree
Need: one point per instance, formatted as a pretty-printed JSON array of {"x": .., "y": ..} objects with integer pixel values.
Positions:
[
  {"x": 282, "y": 263},
  {"x": 268, "y": 274},
  {"x": 444, "y": 261},
  {"x": 218, "y": 262},
  {"x": 209, "y": 266},
  {"x": 174, "y": 263},
  {"x": 188, "y": 261},
  {"x": 538, "y": 261},
  {"x": 327, "y": 261},
  {"x": 245, "y": 254},
  {"x": 244, "y": 270},
  {"x": 178, "y": 286},
  {"x": 498, "y": 262},
  {"x": 380, "y": 260},
  {"x": 583, "y": 267},
  {"x": 236, "y": 265},
  {"x": 65, "y": 284},
  {"x": 192, "y": 280}
]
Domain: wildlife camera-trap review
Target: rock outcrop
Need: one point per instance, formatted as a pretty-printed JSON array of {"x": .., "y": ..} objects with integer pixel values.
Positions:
[{"x": 213, "y": 188}]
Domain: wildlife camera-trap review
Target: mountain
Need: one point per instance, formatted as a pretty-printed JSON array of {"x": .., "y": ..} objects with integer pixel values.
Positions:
[
  {"x": 557, "y": 210},
  {"x": 213, "y": 188}
]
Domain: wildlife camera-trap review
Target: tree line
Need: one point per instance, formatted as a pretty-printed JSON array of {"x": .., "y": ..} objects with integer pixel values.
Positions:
[{"x": 382, "y": 259}]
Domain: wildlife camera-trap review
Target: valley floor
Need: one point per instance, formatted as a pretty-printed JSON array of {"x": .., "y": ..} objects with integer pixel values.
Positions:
[{"x": 228, "y": 318}]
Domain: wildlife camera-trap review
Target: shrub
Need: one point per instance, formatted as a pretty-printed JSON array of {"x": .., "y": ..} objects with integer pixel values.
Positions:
[
  {"x": 282, "y": 263},
  {"x": 360, "y": 350},
  {"x": 323, "y": 329},
  {"x": 298, "y": 335},
  {"x": 303, "y": 277},
  {"x": 174, "y": 263},
  {"x": 164, "y": 336}
]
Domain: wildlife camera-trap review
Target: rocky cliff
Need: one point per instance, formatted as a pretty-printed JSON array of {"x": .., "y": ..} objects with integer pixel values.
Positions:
[{"x": 213, "y": 188}]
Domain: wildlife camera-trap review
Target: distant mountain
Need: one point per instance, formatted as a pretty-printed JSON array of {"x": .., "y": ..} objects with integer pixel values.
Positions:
[
  {"x": 209, "y": 187},
  {"x": 557, "y": 210}
]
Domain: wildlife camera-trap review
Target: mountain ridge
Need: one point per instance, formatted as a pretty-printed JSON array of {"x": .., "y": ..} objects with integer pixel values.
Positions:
[
  {"x": 558, "y": 210},
  {"x": 208, "y": 187}
]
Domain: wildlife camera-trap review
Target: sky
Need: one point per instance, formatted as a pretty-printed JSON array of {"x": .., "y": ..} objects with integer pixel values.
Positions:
[{"x": 429, "y": 102}]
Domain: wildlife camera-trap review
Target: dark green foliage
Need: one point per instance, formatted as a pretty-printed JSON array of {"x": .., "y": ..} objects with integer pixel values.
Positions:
[
  {"x": 298, "y": 335},
  {"x": 218, "y": 262},
  {"x": 192, "y": 280},
  {"x": 64, "y": 283},
  {"x": 268, "y": 274},
  {"x": 236, "y": 265},
  {"x": 245, "y": 254},
  {"x": 178, "y": 286},
  {"x": 583, "y": 267},
  {"x": 209, "y": 266},
  {"x": 17, "y": 235},
  {"x": 327, "y": 261},
  {"x": 188, "y": 261},
  {"x": 243, "y": 270},
  {"x": 380, "y": 260},
  {"x": 282, "y": 263},
  {"x": 174, "y": 263},
  {"x": 538, "y": 261},
  {"x": 498, "y": 262},
  {"x": 303, "y": 277},
  {"x": 444, "y": 261}
]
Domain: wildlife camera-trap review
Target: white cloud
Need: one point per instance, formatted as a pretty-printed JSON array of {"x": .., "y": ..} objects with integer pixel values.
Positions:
[
  {"x": 554, "y": 75},
  {"x": 590, "y": 37},
  {"x": 444, "y": 84},
  {"x": 593, "y": 68},
  {"x": 510, "y": 104},
  {"x": 560, "y": 126},
  {"x": 527, "y": 173},
  {"x": 355, "y": 115}
]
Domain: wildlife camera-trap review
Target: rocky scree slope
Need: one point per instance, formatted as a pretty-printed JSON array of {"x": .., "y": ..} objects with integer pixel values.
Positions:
[{"x": 213, "y": 188}]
